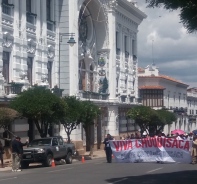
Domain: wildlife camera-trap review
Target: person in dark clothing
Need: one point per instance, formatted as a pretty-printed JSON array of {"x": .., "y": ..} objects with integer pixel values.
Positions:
[
  {"x": 108, "y": 150},
  {"x": 1, "y": 154},
  {"x": 17, "y": 151}
]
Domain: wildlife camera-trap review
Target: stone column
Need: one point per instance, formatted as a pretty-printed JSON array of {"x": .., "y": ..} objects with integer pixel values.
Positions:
[
  {"x": 112, "y": 55},
  {"x": 113, "y": 124},
  {"x": 136, "y": 69}
]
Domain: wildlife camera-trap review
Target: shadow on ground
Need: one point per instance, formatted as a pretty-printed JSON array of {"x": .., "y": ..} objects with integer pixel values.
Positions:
[{"x": 182, "y": 177}]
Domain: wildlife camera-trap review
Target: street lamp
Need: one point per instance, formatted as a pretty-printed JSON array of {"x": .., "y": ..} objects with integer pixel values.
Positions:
[{"x": 71, "y": 42}]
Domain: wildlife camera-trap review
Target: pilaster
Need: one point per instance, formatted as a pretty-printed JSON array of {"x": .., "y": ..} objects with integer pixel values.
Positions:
[{"x": 73, "y": 51}]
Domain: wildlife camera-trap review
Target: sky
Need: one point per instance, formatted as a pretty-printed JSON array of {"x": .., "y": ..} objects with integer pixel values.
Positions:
[{"x": 164, "y": 40}]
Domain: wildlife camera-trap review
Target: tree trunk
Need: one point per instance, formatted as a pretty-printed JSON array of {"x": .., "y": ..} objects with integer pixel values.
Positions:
[
  {"x": 88, "y": 138},
  {"x": 68, "y": 136},
  {"x": 41, "y": 129}
]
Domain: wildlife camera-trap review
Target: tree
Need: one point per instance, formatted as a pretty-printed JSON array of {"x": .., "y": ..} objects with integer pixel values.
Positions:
[
  {"x": 166, "y": 118},
  {"x": 40, "y": 106},
  {"x": 188, "y": 11},
  {"x": 144, "y": 116},
  {"x": 150, "y": 119},
  {"x": 7, "y": 116},
  {"x": 89, "y": 112},
  {"x": 70, "y": 119}
]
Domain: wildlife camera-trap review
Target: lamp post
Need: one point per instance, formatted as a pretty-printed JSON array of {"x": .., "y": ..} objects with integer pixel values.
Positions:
[{"x": 71, "y": 42}]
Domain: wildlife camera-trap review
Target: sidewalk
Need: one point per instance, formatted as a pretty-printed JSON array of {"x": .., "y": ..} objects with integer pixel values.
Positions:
[
  {"x": 7, "y": 165},
  {"x": 96, "y": 154}
]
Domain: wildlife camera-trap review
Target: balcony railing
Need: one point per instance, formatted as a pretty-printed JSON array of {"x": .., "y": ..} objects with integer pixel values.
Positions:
[
  {"x": 50, "y": 25},
  {"x": 31, "y": 18},
  {"x": 126, "y": 54},
  {"x": 117, "y": 51},
  {"x": 94, "y": 95},
  {"x": 57, "y": 91},
  {"x": 7, "y": 8},
  {"x": 13, "y": 88}
]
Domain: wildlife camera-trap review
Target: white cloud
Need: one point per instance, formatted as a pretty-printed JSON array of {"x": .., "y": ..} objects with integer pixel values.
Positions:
[{"x": 174, "y": 50}]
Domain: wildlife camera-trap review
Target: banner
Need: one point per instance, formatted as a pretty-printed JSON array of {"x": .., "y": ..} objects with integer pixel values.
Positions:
[{"x": 152, "y": 150}]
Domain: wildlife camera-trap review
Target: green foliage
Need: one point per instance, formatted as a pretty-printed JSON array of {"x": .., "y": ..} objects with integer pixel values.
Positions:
[
  {"x": 188, "y": 11},
  {"x": 41, "y": 106},
  {"x": 7, "y": 116},
  {"x": 89, "y": 112},
  {"x": 146, "y": 117},
  {"x": 143, "y": 115},
  {"x": 166, "y": 117},
  {"x": 70, "y": 118}
]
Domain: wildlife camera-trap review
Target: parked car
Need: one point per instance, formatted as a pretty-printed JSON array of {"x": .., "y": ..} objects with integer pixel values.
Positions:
[{"x": 43, "y": 150}]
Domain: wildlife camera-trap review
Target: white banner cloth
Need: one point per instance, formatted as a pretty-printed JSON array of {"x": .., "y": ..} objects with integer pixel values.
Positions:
[{"x": 152, "y": 150}]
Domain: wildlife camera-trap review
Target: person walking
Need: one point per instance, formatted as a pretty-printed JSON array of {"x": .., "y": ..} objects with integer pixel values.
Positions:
[
  {"x": 1, "y": 154},
  {"x": 17, "y": 151},
  {"x": 107, "y": 148}
]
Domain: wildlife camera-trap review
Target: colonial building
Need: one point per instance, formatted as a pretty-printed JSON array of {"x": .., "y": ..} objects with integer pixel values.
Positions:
[
  {"x": 192, "y": 108},
  {"x": 164, "y": 92},
  {"x": 101, "y": 66}
]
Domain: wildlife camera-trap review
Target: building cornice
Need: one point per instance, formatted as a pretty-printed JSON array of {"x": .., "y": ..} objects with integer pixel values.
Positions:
[{"x": 132, "y": 9}]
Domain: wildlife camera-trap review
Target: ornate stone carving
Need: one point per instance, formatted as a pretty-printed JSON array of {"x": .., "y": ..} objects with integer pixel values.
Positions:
[
  {"x": 118, "y": 27},
  {"x": 51, "y": 52},
  {"x": 112, "y": 4},
  {"x": 7, "y": 40},
  {"x": 31, "y": 30},
  {"x": 7, "y": 22},
  {"x": 101, "y": 61},
  {"x": 31, "y": 46}
]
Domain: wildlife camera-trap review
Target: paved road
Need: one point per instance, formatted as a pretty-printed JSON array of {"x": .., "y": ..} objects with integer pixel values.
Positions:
[{"x": 99, "y": 172}]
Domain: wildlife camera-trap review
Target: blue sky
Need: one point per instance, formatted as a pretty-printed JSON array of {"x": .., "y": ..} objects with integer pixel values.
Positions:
[{"x": 174, "y": 50}]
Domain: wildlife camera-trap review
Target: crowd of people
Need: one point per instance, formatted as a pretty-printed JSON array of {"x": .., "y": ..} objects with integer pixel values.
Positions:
[{"x": 137, "y": 135}]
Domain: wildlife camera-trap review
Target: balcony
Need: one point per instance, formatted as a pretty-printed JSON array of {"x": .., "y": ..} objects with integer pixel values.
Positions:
[
  {"x": 192, "y": 118},
  {"x": 126, "y": 55},
  {"x": 13, "y": 88},
  {"x": 117, "y": 51},
  {"x": 134, "y": 58},
  {"x": 180, "y": 111},
  {"x": 94, "y": 95},
  {"x": 31, "y": 18},
  {"x": 57, "y": 91},
  {"x": 7, "y": 8},
  {"x": 50, "y": 25}
]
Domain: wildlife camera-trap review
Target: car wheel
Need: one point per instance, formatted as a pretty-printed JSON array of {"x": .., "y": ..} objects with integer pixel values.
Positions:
[
  {"x": 69, "y": 158},
  {"x": 48, "y": 160},
  {"x": 24, "y": 165}
]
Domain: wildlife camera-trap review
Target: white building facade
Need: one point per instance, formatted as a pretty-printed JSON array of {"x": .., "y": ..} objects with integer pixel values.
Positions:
[
  {"x": 101, "y": 66},
  {"x": 161, "y": 91},
  {"x": 105, "y": 51}
]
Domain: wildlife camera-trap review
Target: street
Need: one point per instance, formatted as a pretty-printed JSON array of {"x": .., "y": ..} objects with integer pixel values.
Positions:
[{"x": 97, "y": 171}]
